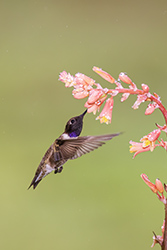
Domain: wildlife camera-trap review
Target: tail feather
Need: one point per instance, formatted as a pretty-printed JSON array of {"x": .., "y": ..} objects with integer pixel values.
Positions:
[
  {"x": 34, "y": 183},
  {"x": 37, "y": 178},
  {"x": 41, "y": 172}
]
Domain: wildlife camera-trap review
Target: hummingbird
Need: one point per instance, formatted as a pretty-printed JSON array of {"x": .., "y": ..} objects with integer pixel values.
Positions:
[{"x": 68, "y": 146}]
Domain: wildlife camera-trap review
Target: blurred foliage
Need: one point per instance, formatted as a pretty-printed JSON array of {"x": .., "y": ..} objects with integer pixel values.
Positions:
[{"x": 99, "y": 201}]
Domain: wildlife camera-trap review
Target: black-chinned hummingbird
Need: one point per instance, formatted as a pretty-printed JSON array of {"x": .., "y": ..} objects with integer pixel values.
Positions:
[{"x": 68, "y": 146}]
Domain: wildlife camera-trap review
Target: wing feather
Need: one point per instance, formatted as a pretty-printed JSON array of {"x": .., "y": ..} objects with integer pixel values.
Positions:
[{"x": 76, "y": 147}]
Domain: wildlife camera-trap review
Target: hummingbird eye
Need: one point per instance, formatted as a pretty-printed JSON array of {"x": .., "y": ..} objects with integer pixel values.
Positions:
[{"x": 72, "y": 121}]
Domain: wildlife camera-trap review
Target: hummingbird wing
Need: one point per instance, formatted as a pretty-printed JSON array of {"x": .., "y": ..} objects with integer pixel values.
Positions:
[
  {"x": 76, "y": 147},
  {"x": 63, "y": 150}
]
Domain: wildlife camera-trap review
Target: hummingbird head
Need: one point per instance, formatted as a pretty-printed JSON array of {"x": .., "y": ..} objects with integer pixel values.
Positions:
[{"x": 74, "y": 125}]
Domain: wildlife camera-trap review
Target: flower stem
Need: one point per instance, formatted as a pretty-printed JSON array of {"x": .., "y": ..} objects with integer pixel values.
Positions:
[
  {"x": 161, "y": 107},
  {"x": 130, "y": 91},
  {"x": 141, "y": 92},
  {"x": 164, "y": 243}
]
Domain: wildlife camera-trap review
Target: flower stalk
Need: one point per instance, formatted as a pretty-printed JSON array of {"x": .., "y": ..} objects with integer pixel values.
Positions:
[
  {"x": 99, "y": 97},
  {"x": 164, "y": 243}
]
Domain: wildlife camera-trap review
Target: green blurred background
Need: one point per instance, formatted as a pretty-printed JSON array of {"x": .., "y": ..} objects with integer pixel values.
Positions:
[{"x": 99, "y": 201}]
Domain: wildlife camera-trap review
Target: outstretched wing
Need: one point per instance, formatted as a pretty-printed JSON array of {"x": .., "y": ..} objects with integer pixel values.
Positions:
[{"x": 76, "y": 147}]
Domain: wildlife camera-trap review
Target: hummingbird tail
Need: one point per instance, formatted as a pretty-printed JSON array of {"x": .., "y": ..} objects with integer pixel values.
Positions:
[
  {"x": 34, "y": 183},
  {"x": 41, "y": 172}
]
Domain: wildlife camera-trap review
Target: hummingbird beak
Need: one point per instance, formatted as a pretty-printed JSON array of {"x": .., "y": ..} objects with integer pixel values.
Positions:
[{"x": 84, "y": 113}]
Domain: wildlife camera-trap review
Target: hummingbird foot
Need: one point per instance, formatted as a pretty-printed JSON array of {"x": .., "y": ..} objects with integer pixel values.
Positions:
[{"x": 58, "y": 170}]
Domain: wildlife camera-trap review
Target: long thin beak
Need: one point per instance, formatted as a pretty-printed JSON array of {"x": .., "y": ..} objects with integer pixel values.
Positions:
[{"x": 84, "y": 113}]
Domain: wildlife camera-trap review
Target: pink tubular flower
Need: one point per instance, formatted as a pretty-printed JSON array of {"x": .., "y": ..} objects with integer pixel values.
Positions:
[
  {"x": 150, "y": 139},
  {"x": 83, "y": 84},
  {"x": 150, "y": 109},
  {"x": 92, "y": 107},
  {"x": 95, "y": 100},
  {"x": 83, "y": 79},
  {"x": 159, "y": 186},
  {"x": 104, "y": 74},
  {"x": 147, "y": 143},
  {"x": 106, "y": 114},
  {"x": 149, "y": 183},
  {"x": 80, "y": 93},
  {"x": 125, "y": 97},
  {"x": 94, "y": 95},
  {"x": 152, "y": 136},
  {"x": 68, "y": 79},
  {"x": 137, "y": 147},
  {"x": 140, "y": 99},
  {"x": 156, "y": 188},
  {"x": 95, "y": 106},
  {"x": 145, "y": 88}
]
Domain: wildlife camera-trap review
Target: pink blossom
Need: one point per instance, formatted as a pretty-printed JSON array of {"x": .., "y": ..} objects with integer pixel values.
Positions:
[
  {"x": 83, "y": 79},
  {"x": 104, "y": 74},
  {"x": 140, "y": 99},
  {"x": 152, "y": 136},
  {"x": 145, "y": 88},
  {"x": 68, "y": 79},
  {"x": 94, "y": 95},
  {"x": 137, "y": 147},
  {"x": 106, "y": 114},
  {"x": 94, "y": 106},
  {"x": 147, "y": 143},
  {"x": 80, "y": 93},
  {"x": 151, "y": 139},
  {"x": 155, "y": 188},
  {"x": 150, "y": 109},
  {"x": 83, "y": 85},
  {"x": 159, "y": 186},
  {"x": 149, "y": 183},
  {"x": 125, "y": 97}
]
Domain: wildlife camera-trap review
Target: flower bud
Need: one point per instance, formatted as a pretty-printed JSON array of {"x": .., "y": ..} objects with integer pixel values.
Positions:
[
  {"x": 104, "y": 74},
  {"x": 145, "y": 88},
  {"x": 150, "y": 109},
  {"x": 159, "y": 186},
  {"x": 123, "y": 77},
  {"x": 149, "y": 183}
]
